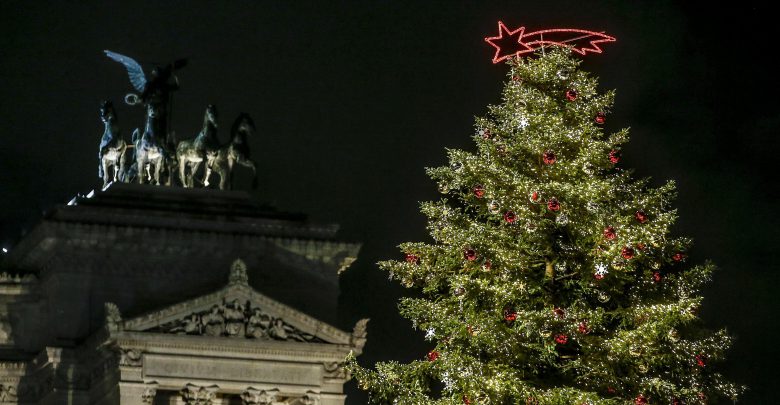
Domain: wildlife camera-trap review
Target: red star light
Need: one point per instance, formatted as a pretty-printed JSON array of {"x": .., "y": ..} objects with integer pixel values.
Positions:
[
  {"x": 508, "y": 46},
  {"x": 510, "y": 43}
]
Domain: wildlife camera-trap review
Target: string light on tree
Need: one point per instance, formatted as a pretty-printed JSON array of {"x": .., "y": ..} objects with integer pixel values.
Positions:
[{"x": 591, "y": 300}]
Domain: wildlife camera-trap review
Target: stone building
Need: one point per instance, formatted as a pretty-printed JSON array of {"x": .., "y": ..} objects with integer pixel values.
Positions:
[{"x": 159, "y": 295}]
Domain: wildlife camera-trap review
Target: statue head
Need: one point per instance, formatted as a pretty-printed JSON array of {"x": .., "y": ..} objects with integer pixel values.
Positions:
[
  {"x": 211, "y": 114},
  {"x": 243, "y": 125}
]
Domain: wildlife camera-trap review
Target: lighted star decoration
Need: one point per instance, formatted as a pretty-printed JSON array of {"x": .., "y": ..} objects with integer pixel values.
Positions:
[
  {"x": 511, "y": 43},
  {"x": 601, "y": 270},
  {"x": 430, "y": 334}
]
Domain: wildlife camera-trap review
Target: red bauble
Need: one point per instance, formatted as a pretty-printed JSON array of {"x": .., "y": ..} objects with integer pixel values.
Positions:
[
  {"x": 598, "y": 276},
  {"x": 534, "y": 196},
  {"x": 614, "y": 156},
  {"x": 657, "y": 276},
  {"x": 627, "y": 253},
  {"x": 466, "y": 400},
  {"x": 559, "y": 312},
  {"x": 433, "y": 355},
  {"x": 611, "y": 390},
  {"x": 561, "y": 339},
  {"x": 516, "y": 78},
  {"x": 571, "y": 95},
  {"x": 640, "y": 216},
  {"x": 485, "y": 133},
  {"x": 583, "y": 327},
  {"x": 676, "y": 401},
  {"x": 640, "y": 400},
  {"x": 479, "y": 191},
  {"x": 470, "y": 254},
  {"x": 701, "y": 360},
  {"x": 487, "y": 265},
  {"x": 609, "y": 233},
  {"x": 678, "y": 257},
  {"x": 640, "y": 246},
  {"x": 553, "y": 204},
  {"x": 600, "y": 118},
  {"x": 548, "y": 157},
  {"x": 412, "y": 258},
  {"x": 510, "y": 315},
  {"x": 510, "y": 217}
]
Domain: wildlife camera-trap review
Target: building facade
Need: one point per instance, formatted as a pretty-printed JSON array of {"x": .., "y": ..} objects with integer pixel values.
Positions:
[{"x": 156, "y": 295}]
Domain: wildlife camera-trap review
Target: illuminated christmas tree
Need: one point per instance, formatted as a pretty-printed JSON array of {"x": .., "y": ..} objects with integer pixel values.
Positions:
[{"x": 552, "y": 277}]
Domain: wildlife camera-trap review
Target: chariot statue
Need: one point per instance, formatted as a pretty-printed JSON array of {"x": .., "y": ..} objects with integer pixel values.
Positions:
[{"x": 156, "y": 151}]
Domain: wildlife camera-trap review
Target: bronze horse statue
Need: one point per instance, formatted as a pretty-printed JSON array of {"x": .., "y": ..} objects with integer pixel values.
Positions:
[
  {"x": 111, "y": 152},
  {"x": 202, "y": 149},
  {"x": 148, "y": 150},
  {"x": 236, "y": 151}
]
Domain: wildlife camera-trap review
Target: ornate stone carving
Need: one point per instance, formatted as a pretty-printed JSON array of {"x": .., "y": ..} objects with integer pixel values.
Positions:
[
  {"x": 130, "y": 357},
  {"x": 311, "y": 398},
  {"x": 359, "y": 333},
  {"x": 150, "y": 391},
  {"x": 238, "y": 273},
  {"x": 254, "y": 396},
  {"x": 214, "y": 322},
  {"x": 238, "y": 320},
  {"x": 113, "y": 317},
  {"x": 198, "y": 395},
  {"x": 334, "y": 370},
  {"x": 235, "y": 321},
  {"x": 7, "y": 393}
]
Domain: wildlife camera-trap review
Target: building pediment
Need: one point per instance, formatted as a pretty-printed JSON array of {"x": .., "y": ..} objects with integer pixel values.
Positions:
[{"x": 240, "y": 312}]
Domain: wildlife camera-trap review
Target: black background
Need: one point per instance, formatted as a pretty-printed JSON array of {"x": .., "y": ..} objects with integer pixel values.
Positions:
[{"x": 353, "y": 99}]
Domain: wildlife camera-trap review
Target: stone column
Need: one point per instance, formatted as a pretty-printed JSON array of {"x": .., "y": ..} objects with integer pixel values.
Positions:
[
  {"x": 199, "y": 395},
  {"x": 147, "y": 397},
  {"x": 254, "y": 396}
]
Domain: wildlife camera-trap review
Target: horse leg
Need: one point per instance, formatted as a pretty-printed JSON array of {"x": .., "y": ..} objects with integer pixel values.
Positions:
[
  {"x": 206, "y": 177},
  {"x": 182, "y": 171},
  {"x": 157, "y": 168},
  {"x": 104, "y": 166},
  {"x": 149, "y": 171},
  {"x": 122, "y": 162},
  {"x": 140, "y": 166},
  {"x": 171, "y": 170},
  {"x": 222, "y": 177},
  {"x": 194, "y": 170}
]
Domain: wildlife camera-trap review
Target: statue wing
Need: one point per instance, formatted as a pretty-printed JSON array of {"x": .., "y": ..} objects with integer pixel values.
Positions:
[{"x": 134, "y": 70}]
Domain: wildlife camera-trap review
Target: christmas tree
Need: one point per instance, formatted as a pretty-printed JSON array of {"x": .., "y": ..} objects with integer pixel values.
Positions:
[{"x": 552, "y": 277}]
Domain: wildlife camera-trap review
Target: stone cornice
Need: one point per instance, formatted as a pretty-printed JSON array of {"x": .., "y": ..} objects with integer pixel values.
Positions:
[
  {"x": 207, "y": 346},
  {"x": 34, "y": 251}
]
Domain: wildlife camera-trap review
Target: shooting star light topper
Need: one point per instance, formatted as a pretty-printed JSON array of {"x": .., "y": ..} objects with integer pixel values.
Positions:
[{"x": 509, "y": 44}]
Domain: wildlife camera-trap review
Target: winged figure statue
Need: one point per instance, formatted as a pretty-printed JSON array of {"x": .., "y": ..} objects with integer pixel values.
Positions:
[{"x": 153, "y": 90}]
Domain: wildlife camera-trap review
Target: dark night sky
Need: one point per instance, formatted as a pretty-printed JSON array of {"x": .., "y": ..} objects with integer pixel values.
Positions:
[{"x": 353, "y": 99}]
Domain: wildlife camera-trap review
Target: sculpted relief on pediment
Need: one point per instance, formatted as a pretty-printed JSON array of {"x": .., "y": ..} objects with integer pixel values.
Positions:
[{"x": 239, "y": 320}]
